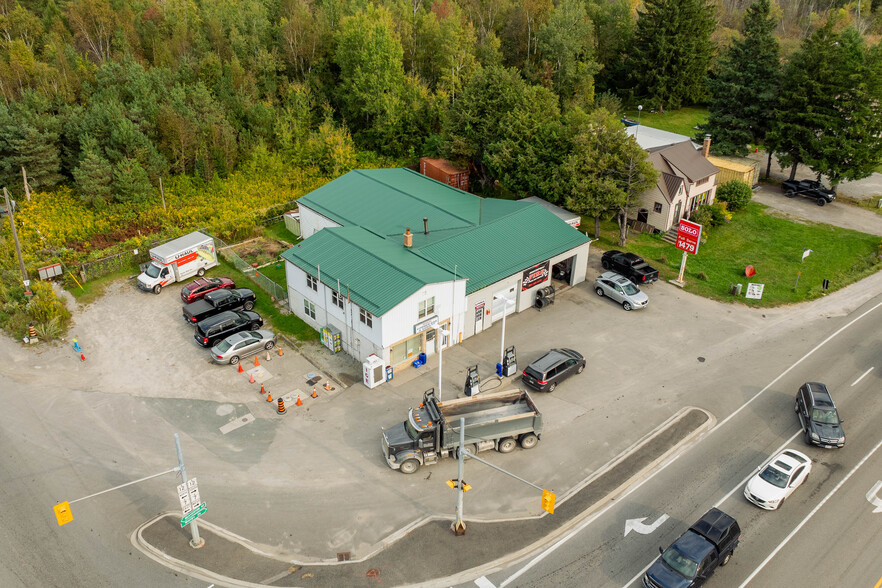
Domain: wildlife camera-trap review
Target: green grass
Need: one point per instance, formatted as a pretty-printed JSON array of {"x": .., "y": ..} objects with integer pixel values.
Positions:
[
  {"x": 774, "y": 246},
  {"x": 280, "y": 232},
  {"x": 94, "y": 289},
  {"x": 682, "y": 121}
]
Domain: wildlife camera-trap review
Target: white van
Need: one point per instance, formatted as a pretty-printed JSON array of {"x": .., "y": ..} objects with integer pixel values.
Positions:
[{"x": 178, "y": 260}]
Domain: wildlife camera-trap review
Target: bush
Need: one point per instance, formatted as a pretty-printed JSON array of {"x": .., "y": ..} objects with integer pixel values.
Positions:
[
  {"x": 711, "y": 215},
  {"x": 735, "y": 193}
]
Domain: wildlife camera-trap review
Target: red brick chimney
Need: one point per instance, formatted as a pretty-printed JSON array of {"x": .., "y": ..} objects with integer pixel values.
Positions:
[{"x": 705, "y": 150}]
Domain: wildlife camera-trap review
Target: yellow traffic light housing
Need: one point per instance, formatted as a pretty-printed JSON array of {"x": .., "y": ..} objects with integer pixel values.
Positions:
[
  {"x": 62, "y": 513},
  {"x": 451, "y": 483},
  {"x": 548, "y": 501},
  {"x": 465, "y": 486}
]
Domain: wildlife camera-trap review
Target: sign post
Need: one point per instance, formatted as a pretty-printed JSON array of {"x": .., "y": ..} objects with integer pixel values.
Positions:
[{"x": 688, "y": 238}]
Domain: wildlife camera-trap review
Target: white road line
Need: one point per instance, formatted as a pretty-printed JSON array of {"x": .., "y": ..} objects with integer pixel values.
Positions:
[
  {"x": 591, "y": 519},
  {"x": 483, "y": 582},
  {"x": 862, "y": 376},
  {"x": 810, "y": 515}
]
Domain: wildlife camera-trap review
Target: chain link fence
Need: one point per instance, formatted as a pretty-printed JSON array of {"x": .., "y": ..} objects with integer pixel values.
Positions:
[{"x": 269, "y": 286}]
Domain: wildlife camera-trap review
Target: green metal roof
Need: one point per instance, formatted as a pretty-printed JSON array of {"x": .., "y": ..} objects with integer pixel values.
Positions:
[{"x": 484, "y": 239}]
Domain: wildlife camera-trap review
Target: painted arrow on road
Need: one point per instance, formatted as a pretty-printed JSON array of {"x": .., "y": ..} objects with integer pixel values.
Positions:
[
  {"x": 637, "y": 525},
  {"x": 873, "y": 497}
]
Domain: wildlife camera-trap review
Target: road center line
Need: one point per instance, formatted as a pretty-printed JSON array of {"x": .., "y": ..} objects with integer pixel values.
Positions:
[
  {"x": 862, "y": 376},
  {"x": 810, "y": 515}
]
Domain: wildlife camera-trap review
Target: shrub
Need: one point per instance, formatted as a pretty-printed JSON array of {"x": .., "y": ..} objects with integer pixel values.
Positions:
[
  {"x": 735, "y": 193},
  {"x": 45, "y": 306},
  {"x": 711, "y": 215}
]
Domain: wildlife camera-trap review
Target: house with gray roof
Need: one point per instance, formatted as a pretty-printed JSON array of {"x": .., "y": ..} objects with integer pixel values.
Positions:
[{"x": 396, "y": 263}]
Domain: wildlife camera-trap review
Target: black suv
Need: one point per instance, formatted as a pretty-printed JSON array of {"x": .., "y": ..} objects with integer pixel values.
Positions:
[
  {"x": 695, "y": 556},
  {"x": 810, "y": 189},
  {"x": 551, "y": 369},
  {"x": 818, "y": 417},
  {"x": 221, "y": 326}
]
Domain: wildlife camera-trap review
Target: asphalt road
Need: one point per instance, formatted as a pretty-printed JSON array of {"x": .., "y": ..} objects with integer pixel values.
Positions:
[{"x": 825, "y": 534}]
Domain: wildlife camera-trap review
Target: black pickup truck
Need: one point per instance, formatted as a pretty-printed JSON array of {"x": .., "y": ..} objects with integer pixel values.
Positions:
[
  {"x": 217, "y": 302},
  {"x": 810, "y": 189},
  {"x": 693, "y": 558},
  {"x": 629, "y": 265}
]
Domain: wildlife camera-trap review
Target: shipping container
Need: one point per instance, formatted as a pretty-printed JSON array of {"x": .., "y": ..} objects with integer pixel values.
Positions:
[{"x": 444, "y": 171}]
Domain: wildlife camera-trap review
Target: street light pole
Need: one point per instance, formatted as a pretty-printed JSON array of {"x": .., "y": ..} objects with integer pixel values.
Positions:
[
  {"x": 24, "y": 272},
  {"x": 505, "y": 304},
  {"x": 441, "y": 334},
  {"x": 639, "y": 110}
]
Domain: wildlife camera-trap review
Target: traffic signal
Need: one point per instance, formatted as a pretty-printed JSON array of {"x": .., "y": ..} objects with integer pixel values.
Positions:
[
  {"x": 465, "y": 485},
  {"x": 548, "y": 501}
]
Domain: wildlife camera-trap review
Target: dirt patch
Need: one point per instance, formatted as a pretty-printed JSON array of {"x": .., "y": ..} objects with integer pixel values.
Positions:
[{"x": 260, "y": 250}]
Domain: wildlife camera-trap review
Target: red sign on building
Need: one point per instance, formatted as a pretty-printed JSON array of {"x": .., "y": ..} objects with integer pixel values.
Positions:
[{"x": 688, "y": 235}]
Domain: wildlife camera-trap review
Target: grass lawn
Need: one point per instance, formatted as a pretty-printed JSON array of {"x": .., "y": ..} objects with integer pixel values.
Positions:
[
  {"x": 774, "y": 247},
  {"x": 279, "y": 231},
  {"x": 680, "y": 121},
  {"x": 94, "y": 289}
]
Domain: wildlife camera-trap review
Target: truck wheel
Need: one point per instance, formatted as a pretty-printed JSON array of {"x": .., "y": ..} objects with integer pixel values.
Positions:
[
  {"x": 605, "y": 264},
  {"x": 626, "y": 305},
  {"x": 234, "y": 360},
  {"x": 790, "y": 193},
  {"x": 821, "y": 202},
  {"x": 409, "y": 466},
  {"x": 201, "y": 272},
  {"x": 157, "y": 289},
  {"x": 507, "y": 445},
  {"x": 599, "y": 291},
  {"x": 727, "y": 558},
  {"x": 529, "y": 441},
  {"x": 269, "y": 345},
  {"x": 248, "y": 305}
]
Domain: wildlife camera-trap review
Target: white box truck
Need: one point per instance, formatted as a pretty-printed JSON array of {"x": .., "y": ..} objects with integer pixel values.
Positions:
[{"x": 178, "y": 260}]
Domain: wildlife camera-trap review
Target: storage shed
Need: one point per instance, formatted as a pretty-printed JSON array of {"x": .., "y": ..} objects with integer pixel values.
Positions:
[{"x": 733, "y": 167}]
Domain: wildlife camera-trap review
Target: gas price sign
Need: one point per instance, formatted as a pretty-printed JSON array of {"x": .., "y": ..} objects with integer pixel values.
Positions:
[{"x": 688, "y": 235}]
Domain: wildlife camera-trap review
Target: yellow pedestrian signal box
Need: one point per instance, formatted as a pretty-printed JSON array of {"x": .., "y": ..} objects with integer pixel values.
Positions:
[
  {"x": 465, "y": 485},
  {"x": 548, "y": 501},
  {"x": 62, "y": 513}
]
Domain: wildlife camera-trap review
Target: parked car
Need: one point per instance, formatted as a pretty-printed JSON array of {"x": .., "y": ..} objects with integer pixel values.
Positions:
[
  {"x": 629, "y": 265},
  {"x": 221, "y": 326},
  {"x": 196, "y": 289},
  {"x": 696, "y": 554},
  {"x": 620, "y": 289},
  {"x": 218, "y": 301},
  {"x": 818, "y": 416},
  {"x": 811, "y": 189},
  {"x": 551, "y": 369},
  {"x": 777, "y": 479},
  {"x": 243, "y": 344}
]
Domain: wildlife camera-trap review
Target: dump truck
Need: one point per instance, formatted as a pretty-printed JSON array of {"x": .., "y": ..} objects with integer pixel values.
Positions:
[{"x": 498, "y": 420}]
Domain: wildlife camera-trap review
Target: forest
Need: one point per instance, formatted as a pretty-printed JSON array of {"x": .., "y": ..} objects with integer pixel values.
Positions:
[{"x": 134, "y": 118}]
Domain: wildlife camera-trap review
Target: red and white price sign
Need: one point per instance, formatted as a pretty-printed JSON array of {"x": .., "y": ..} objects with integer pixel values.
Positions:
[{"x": 688, "y": 235}]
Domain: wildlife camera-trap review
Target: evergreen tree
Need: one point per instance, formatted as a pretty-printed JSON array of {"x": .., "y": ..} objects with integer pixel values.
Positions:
[
  {"x": 94, "y": 175},
  {"x": 29, "y": 138},
  {"x": 744, "y": 86},
  {"x": 672, "y": 51}
]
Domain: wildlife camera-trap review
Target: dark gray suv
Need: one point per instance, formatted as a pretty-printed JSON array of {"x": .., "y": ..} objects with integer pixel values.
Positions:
[
  {"x": 554, "y": 367},
  {"x": 818, "y": 417},
  {"x": 217, "y": 328}
]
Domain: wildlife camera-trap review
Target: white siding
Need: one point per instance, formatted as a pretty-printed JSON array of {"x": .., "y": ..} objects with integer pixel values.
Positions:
[{"x": 312, "y": 222}]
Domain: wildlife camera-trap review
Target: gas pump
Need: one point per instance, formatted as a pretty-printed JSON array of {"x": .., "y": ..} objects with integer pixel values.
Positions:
[
  {"x": 473, "y": 381},
  {"x": 509, "y": 366}
]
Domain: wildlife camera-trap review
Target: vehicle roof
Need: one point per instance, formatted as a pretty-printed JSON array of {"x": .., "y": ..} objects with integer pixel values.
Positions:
[
  {"x": 791, "y": 457},
  {"x": 820, "y": 394},
  {"x": 213, "y": 320},
  {"x": 714, "y": 524},
  {"x": 614, "y": 277},
  {"x": 693, "y": 545}
]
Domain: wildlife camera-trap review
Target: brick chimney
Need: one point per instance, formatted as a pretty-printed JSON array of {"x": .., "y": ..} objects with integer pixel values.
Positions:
[
  {"x": 408, "y": 238},
  {"x": 705, "y": 149}
]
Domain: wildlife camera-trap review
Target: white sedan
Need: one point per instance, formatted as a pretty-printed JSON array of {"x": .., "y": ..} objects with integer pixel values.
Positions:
[{"x": 777, "y": 479}]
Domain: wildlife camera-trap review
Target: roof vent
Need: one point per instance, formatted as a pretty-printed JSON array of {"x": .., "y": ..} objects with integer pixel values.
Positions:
[
  {"x": 425, "y": 225},
  {"x": 408, "y": 238}
]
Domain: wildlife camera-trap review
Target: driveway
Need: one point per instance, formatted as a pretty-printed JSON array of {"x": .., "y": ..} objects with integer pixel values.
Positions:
[
  {"x": 836, "y": 213},
  {"x": 868, "y": 188}
]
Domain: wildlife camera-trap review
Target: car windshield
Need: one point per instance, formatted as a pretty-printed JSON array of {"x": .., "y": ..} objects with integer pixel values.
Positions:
[
  {"x": 680, "y": 563},
  {"x": 152, "y": 270},
  {"x": 630, "y": 288},
  {"x": 224, "y": 346},
  {"x": 825, "y": 416},
  {"x": 774, "y": 476}
]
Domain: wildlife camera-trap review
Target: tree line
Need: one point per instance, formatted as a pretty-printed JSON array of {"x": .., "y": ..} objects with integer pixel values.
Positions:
[{"x": 110, "y": 96}]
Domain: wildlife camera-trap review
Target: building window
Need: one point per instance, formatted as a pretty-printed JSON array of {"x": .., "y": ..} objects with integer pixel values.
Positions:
[
  {"x": 312, "y": 282},
  {"x": 309, "y": 309},
  {"x": 366, "y": 317},
  {"x": 657, "y": 207},
  {"x": 427, "y": 307},
  {"x": 337, "y": 298}
]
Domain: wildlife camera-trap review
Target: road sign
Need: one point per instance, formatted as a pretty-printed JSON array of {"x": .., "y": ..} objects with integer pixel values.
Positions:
[
  {"x": 548, "y": 501},
  {"x": 193, "y": 515},
  {"x": 184, "y": 496},
  {"x": 754, "y": 290},
  {"x": 194, "y": 491},
  {"x": 688, "y": 236},
  {"x": 62, "y": 513}
]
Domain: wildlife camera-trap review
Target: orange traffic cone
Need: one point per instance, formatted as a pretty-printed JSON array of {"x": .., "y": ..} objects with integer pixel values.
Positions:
[
  {"x": 280, "y": 352},
  {"x": 328, "y": 386},
  {"x": 281, "y": 409},
  {"x": 256, "y": 363},
  {"x": 269, "y": 397},
  {"x": 240, "y": 370},
  {"x": 251, "y": 379},
  {"x": 314, "y": 395},
  {"x": 299, "y": 402},
  {"x": 262, "y": 391}
]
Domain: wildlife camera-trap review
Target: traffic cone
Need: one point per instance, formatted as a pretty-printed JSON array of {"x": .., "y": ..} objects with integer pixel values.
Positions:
[
  {"x": 328, "y": 386},
  {"x": 82, "y": 357},
  {"x": 280, "y": 352},
  {"x": 256, "y": 363},
  {"x": 314, "y": 395},
  {"x": 240, "y": 368},
  {"x": 269, "y": 397},
  {"x": 281, "y": 408},
  {"x": 268, "y": 355},
  {"x": 251, "y": 379},
  {"x": 262, "y": 391},
  {"x": 299, "y": 402}
]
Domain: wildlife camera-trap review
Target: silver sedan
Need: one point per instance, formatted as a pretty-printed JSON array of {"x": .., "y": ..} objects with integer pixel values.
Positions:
[
  {"x": 620, "y": 289},
  {"x": 243, "y": 344}
]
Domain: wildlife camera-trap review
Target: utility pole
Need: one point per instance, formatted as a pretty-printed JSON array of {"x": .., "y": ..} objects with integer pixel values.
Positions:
[
  {"x": 24, "y": 175},
  {"x": 196, "y": 542},
  {"x": 24, "y": 272}
]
